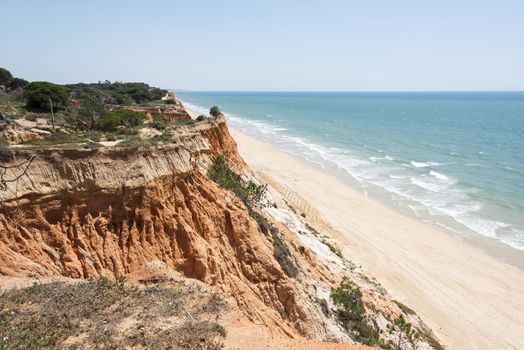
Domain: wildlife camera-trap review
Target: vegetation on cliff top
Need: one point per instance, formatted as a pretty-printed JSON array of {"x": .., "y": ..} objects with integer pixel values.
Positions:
[
  {"x": 88, "y": 113},
  {"x": 116, "y": 92}
]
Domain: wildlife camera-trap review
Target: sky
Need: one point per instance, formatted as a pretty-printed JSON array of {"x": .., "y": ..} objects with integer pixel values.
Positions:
[{"x": 269, "y": 45}]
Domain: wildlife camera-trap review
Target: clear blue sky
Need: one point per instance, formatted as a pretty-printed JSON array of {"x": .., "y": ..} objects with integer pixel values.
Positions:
[{"x": 269, "y": 45}]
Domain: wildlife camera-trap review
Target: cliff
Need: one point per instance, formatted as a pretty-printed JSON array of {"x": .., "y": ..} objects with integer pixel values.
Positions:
[{"x": 115, "y": 212}]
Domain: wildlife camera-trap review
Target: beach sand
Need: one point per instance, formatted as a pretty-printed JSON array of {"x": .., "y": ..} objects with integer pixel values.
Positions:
[{"x": 470, "y": 299}]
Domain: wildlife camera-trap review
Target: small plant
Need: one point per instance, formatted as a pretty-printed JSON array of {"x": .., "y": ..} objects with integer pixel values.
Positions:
[
  {"x": 403, "y": 331},
  {"x": 334, "y": 250},
  {"x": 312, "y": 229},
  {"x": 348, "y": 298},
  {"x": 165, "y": 138},
  {"x": 404, "y": 308},
  {"x": 201, "y": 118},
  {"x": 159, "y": 123},
  {"x": 323, "y": 306},
  {"x": 134, "y": 141}
]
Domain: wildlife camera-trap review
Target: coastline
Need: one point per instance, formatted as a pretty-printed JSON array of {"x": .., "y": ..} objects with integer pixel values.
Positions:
[{"x": 469, "y": 298}]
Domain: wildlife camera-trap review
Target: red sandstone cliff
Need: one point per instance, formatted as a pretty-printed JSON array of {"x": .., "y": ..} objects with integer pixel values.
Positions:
[{"x": 111, "y": 212}]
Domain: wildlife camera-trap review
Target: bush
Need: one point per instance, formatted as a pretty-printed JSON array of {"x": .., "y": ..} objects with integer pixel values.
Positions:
[
  {"x": 348, "y": 297},
  {"x": 109, "y": 122},
  {"x": 201, "y": 118},
  {"x": 159, "y": 123},
  {"x": 252, "y": 194},
  {"x": 249, "y": 192},
  {"x": 334, "y": 250},
  {"x": 215, "y": 111},
  {"x": 120, "y": 118},
  {"x": 38, "y": 94},
  {"x": 18, "y": 83},
  {"x": 91, "y": 108},
  {"x": 5, "y": 77}
]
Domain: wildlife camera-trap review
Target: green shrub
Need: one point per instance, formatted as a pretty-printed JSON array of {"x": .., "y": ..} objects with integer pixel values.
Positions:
[
  {"x": 247, "y": 191},
  {"x": 120, "y": 118},
  {"x": 282, "y": 253},
  {"x": 39, "y": 93},
  {"x": 350, "y": 308},
  {"x": 5, "y": 77},
  {"x": 403, "y": 331},
  {"x": 90, "y": 110},
  {"x": 334, "y": 250},
  {"x": 165, "y": 138},
  {"x": 108, "y": 122},
  {"x": 159, "y": 123},
  {"x": 215, "y": 111},
  {"x": 18, "y": 83},
  {"x": 201, "y": 118},
  {"x": 252, "y": 194}
]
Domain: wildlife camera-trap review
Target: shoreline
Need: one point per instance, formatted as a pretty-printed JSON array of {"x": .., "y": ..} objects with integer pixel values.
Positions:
[
  {"x": 492, "y": 246},
  {"x": 468, "y": 297}
]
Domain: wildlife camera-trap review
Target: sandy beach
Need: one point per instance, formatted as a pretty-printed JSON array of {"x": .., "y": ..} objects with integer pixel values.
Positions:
[{"x": 470, "y": 299}]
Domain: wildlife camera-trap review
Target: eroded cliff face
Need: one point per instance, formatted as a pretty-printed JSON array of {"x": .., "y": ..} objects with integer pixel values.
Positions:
[
  {"x": 109, "y": 212},
  {"x": 113, "y": 212}
]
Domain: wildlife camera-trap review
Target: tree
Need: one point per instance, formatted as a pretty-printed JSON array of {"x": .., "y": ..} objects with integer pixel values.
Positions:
[
  {"x": 215, "y": 111},
  {"x": 91, "y": 108},
  {"x": 42, "y": 94},
  {"x": 18, "y": 83},
  {"x": 5, "y": 77}
]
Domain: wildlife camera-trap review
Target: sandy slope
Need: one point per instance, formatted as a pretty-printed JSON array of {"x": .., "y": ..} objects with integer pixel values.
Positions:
[{"x": 471, "y": 300}]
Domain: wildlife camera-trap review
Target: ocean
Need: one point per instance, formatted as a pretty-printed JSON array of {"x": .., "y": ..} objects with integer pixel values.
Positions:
[{"x": 452, "y": 159}]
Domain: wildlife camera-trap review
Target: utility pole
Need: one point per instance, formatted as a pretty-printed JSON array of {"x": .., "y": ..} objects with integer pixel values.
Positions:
[{"x": 52, "y": 114}]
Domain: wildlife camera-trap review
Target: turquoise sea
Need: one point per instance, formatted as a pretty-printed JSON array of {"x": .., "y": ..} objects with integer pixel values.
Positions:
[{"x": 453, "y": 159}]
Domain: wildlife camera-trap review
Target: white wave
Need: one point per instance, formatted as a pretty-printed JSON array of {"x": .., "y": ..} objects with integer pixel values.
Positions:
[
  {"x": 424, "y": 164},
  {"x": 442, "y": 177},
  {"x": 433, "y": 187},
  {"x": 483, "y": 226},
  {"x": 375, "y": 159}
]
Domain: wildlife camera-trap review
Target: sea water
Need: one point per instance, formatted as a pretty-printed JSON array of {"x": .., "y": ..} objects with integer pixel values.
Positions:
[{"x": 454, "y": 159}]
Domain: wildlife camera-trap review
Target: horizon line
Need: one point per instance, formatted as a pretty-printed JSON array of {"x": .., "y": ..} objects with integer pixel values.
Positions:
[{"x": 350, "y": 91}]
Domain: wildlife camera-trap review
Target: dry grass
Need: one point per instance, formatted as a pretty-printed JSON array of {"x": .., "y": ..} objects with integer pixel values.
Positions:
[{"x": 110, "y": 315}]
